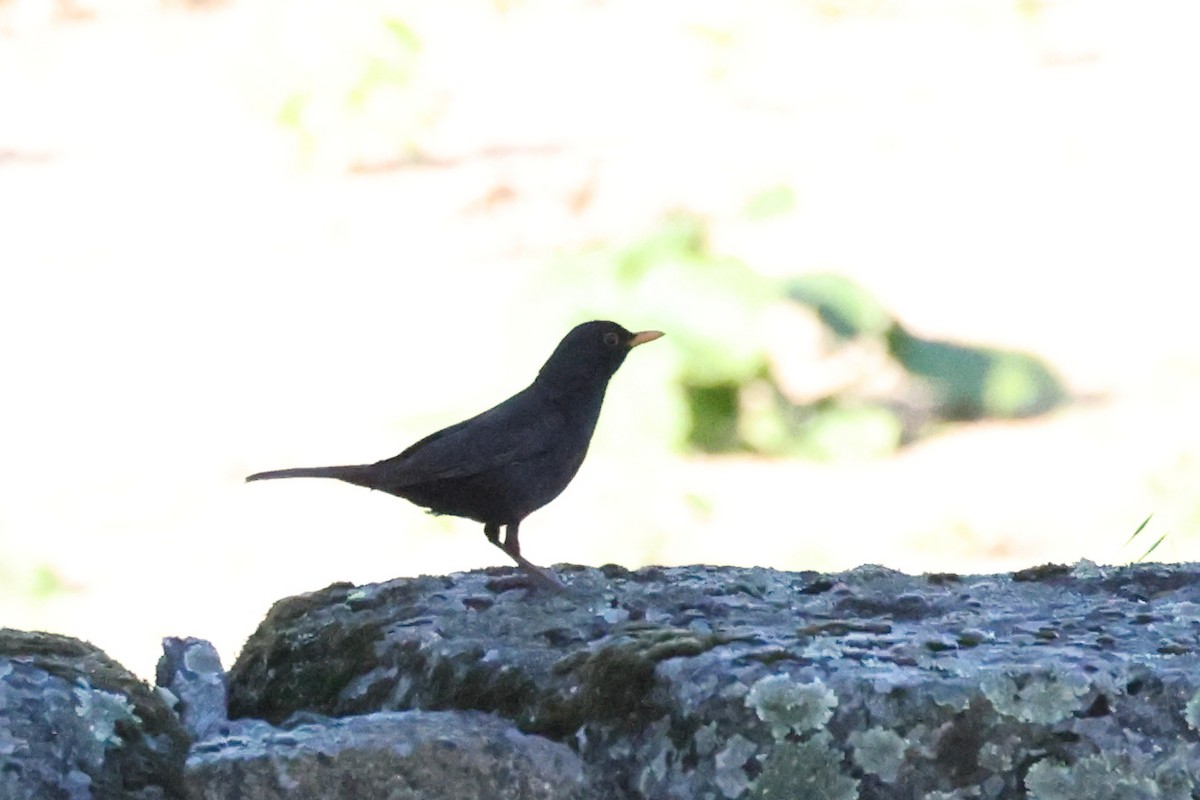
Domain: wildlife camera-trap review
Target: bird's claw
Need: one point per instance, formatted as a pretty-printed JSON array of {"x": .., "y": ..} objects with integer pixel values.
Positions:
[{"x": 541, "y": 577}]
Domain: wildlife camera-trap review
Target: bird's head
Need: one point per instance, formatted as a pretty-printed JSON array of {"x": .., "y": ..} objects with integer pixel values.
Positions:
[{"x": 589, "y": 355}]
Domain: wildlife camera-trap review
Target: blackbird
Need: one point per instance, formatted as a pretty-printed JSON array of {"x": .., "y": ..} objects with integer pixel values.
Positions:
[{"x": 502, "y": 465}]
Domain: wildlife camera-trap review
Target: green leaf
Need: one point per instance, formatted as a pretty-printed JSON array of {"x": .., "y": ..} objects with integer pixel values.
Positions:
[
  {"x": 846, "y": 307},
  {"x": 977, "y": 382}
]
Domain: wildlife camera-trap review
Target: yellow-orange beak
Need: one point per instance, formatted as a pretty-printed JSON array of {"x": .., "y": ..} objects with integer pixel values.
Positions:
[{"x": 643, "y": 337}]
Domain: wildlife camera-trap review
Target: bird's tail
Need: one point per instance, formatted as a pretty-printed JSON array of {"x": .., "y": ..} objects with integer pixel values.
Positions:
[{"x": 352, "y": 474}]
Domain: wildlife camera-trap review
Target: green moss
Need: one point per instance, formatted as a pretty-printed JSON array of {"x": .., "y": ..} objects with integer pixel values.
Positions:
[
  {"x": 141, "y": 741},
  {"x": 80, "y": 662},
  {"x": 1042, "y": 572},
  {"x": 809, "y": 769},
  {"x": 972, "y": 637},
  {"x": 311, "y": 646},
  {"x": 879, "y": 752},
  {"x": 613, "y": 685},
  {"x": 789, "y": 706},
  {"x": 614, "y": 681}
]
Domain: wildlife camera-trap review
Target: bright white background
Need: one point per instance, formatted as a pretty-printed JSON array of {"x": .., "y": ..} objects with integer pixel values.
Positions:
[{"x": 192, "y": 289}]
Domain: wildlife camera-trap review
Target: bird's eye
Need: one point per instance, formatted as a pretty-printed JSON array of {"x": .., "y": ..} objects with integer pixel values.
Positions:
[{"x": 611, "y": 339}]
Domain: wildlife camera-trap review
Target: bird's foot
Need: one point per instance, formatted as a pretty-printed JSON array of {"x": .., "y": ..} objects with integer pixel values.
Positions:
[{"x": 540, "y": 577}]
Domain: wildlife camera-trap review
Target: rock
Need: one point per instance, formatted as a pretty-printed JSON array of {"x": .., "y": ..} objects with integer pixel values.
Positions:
[
  {"x": 444, "y": 755},
  {"x": 76, "y": 725},
  {"x": 706, "y": 682},
  {"x": 190, "y": 669}
]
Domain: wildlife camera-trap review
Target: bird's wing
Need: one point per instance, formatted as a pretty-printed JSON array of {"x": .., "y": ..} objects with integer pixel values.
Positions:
[{"x": 516, "y": 430}]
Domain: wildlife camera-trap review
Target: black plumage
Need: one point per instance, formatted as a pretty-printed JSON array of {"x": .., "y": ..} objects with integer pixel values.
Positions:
[{"x": 502, "y": 465}]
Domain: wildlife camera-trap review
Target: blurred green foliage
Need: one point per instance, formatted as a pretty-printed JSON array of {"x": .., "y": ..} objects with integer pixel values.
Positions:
[
  {"x": 727, "y": 367},
  {"x": 366, "y": 97},
  {"x": 771, "y": 202},
  {"x": 967, "y": 382},
  {"x": 977, "y": 382},
  {"x": 38, "y": 583},
  {"x": 393, "y": 66},
  {"x": 847, "y": 309}
]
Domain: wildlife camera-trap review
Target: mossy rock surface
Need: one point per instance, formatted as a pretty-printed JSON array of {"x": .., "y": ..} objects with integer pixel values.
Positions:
[
  {"x": 73, "y": 720},
  {"x": 727, "y": 682}
]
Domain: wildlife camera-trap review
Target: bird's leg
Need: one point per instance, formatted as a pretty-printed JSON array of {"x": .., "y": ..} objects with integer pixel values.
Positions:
[
  {"x": 511, "y": 545},
  {"x": 540, "y": 576}
]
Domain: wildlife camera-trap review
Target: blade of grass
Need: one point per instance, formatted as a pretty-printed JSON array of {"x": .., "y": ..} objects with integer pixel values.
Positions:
[
  {"x": 1153, "y": 546},
  {"x": 1140, "y": 528}
]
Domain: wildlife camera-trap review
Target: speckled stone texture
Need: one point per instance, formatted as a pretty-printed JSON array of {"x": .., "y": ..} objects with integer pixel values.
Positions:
[
  {"x": 190, "y": 669},
  {"x": 75, "y": 725},
  {"x": 723, "y": 683},
  {"x": 446, "y": 755}
]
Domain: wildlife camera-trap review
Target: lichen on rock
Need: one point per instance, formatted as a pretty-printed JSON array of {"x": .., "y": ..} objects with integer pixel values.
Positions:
[
  {"x": 76, "y": 724},
  {"x": 1191, "y": 712},
  {"x": 787, "y": 706},
  {"x": 1038, "y": 696},
  {"x": 1105, "y": 777},
  {"x": 811, "y": 769},
  {"x": 879, "y": 752},
  {"x": 726, "y": 683}
]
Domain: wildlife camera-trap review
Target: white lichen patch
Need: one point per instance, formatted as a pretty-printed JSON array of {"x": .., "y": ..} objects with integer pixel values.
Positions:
[
  {"x": 809, "y": 769},
  {"x": 879, "y": 752},
  {"x": 100, "y": 711},
  {"x": 103, "y": 710},
  {"x": 1043, "y": 698},
  {"x": 1191, "y": 712},
  {"x": 1098, "y": 778},
  {"x": 789, "y": 706},
  {"x": 823, "y": 648},
  {"x": 1084, "y": 569},
  {"x": 951, "y": 694}
]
